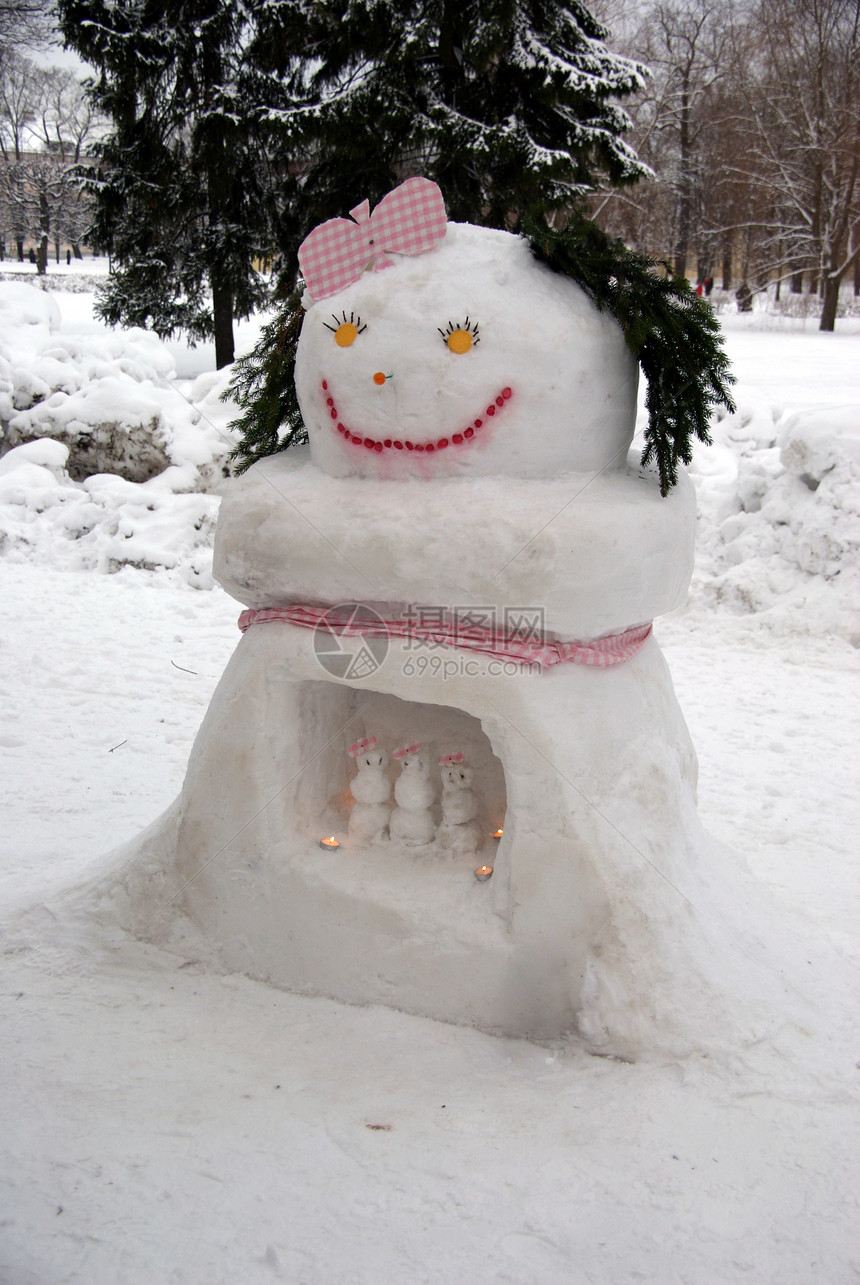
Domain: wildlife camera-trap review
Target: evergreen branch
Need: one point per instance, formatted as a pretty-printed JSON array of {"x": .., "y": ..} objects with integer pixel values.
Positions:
[
  {"x": 673, "y": 334},
  {"x": 264, "y": 384}
]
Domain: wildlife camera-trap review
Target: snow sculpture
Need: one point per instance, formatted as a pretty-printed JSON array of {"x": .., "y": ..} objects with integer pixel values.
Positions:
[
  {"x": 414, "y": 793},
  {"x": 470, "y": 414},
  {"x": 459, "y": 830},
  {"x": 371, "y": 790},
  {"x": 443, "y": 373}
]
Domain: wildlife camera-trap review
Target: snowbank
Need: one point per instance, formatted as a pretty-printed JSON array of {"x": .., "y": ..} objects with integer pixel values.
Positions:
[
  {"x": 105, "y": 459},
  {"x": 779, "y": 518}
]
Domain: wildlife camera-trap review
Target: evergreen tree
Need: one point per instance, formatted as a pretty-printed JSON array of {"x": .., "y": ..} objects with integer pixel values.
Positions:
[
  {"x": 507, "y": 104},
  {"x": 184, "y": 194},
  {"x": 673, "y": 334}
]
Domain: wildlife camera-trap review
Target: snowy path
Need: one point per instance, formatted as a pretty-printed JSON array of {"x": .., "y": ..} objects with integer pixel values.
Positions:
[{"x": 207, "y": 1129}]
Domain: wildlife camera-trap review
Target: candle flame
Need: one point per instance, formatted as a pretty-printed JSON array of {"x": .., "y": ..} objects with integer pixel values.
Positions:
[{"x": 497, "y": 834}]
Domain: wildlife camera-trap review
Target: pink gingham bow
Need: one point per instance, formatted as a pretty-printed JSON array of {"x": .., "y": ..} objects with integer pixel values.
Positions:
[{"x": 409, "y": 220}]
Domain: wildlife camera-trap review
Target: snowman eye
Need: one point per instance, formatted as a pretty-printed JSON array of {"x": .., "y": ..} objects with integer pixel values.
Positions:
[
  {"x": 460, "y": 336},
  {"x": 346, "y": 329}
]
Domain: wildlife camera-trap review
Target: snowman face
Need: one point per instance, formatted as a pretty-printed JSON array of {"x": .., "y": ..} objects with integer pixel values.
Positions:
[
  {"x": 470, "y": 358},
  {"x": 457, "y": 777},
  {"x": 374, "y": 760},
  {"x": 413, "y": 763}
]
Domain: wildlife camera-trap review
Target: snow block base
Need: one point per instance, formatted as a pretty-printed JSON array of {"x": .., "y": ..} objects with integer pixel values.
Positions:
[{"x": 592, "y": 919}]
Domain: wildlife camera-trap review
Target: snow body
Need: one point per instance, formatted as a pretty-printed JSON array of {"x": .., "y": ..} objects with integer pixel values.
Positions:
[
  {"x": 414, "y": 793},
  {"x": 576, "y": 929},
  {"x": 609, "y": 912},
  {"x": 459, "y": 802},
  {"x": 459, "y": 832},
  {"x": 371, "y": 790}
]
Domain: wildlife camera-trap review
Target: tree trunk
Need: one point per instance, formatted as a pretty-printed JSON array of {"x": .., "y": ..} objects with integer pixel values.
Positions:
[
  {"x": 797, "y": 283},
  {"x": 727, "y": 265},
  {"x": 222, "y": 311},
  {"x": 830, "y": 283},
  {"x": 76, "y": 251},
  {"x": 42, "y": 252},
  {"x": 685, "y": 203},
  {"x": 20, "y": 244}
]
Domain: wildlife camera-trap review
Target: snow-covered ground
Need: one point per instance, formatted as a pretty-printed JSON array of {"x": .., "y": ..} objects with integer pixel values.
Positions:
[{"x": 165, "y": 1124}]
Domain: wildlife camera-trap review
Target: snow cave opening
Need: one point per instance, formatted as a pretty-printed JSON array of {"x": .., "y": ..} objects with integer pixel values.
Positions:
[{"x": 332, "y": 717}]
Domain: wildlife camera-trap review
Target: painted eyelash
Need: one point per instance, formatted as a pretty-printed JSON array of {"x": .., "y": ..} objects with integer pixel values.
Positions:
[
  {"x": 471, "y": 326},
  {"x": 344, "y": 320}
]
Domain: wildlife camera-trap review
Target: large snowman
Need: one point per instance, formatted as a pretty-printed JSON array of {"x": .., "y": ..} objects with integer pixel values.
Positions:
[{"x": 466, "y": 493}]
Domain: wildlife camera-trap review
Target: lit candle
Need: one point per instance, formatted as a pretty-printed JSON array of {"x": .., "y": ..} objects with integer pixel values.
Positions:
[
  {"x": 497, "y": 834},
  {"x": 330, "y": 843},
  {"x": 483, "y": 873}
]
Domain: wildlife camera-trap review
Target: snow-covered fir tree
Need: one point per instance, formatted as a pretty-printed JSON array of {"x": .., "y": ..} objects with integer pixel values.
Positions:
[
  {"x": 510, "y": 105},
  {"x": 184, "y": 192}
]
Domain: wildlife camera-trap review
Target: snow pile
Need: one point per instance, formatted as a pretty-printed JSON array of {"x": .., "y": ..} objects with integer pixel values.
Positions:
[
  {"x": 779, "y": 517},
  {"x": 104, "y": 523},
  {"x": 105, "y": 460},
  {"x": 109, "y": 396}
]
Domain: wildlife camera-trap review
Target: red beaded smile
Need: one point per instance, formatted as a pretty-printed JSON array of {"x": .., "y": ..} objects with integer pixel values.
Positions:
[{"x": 394, "y": 444}]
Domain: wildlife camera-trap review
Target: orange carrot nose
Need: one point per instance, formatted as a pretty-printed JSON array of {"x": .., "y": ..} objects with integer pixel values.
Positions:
[{"x": 379, "y": 378}]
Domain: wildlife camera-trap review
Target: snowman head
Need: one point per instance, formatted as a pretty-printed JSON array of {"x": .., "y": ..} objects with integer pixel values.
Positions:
[
  {"x": 457, "y": 778},
  {"x": 367, "y": 756},
  {"x": 410, "y": 758},
  {"x": 469, "y": 357},
  {"x": 456, "y": 775}
]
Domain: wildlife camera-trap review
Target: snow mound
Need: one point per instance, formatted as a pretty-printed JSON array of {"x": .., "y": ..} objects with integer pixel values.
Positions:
[
  {"x": 106, "y": 460},
  {"x": 779, "y": 518},
  {"x": 104, "y": 523},
  {"x": 111, "y": 397}
]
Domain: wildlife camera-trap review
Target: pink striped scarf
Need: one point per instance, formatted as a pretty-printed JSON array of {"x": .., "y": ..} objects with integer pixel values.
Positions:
[{"x": 600, "y": 653}]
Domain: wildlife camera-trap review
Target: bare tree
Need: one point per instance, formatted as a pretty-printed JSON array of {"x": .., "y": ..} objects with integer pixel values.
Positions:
[
  {"x": 47, "y": 123},
  {"x": 25, "y": 24},
  {"x": 683, "y": 44},
  {"x": 64, "y": 123},
  {"x": 17, "y": 111},
  {"x": 802, "y": 106},
  {"x": 689, "y": 46}
]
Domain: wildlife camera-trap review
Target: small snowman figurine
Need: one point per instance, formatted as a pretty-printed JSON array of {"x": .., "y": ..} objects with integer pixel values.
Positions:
[
  {"x": 371, "y": 790},
  {"x": 414, "y": 793},
  {"x": 459, "y": 831}
]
